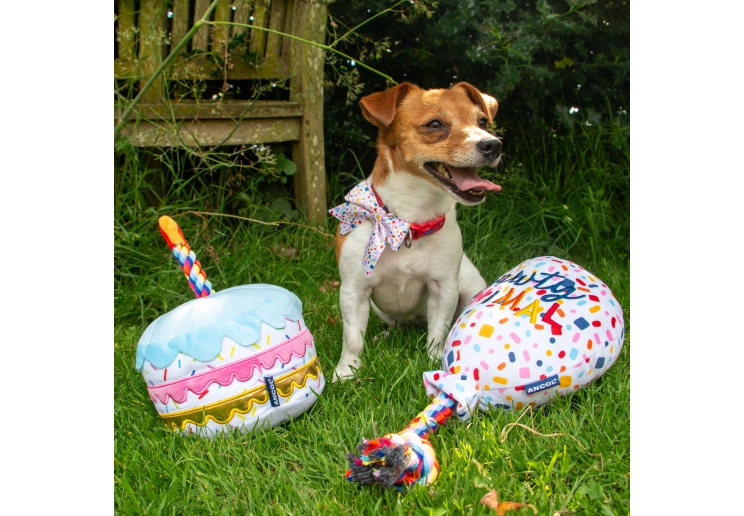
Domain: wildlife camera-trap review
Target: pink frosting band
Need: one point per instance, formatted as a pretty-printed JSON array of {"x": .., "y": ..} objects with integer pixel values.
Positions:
[{"x": 242, "y": 369}]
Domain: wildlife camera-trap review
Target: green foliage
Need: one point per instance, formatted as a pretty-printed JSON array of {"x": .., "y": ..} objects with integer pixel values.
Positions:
[{"x": 553, "y": 65}]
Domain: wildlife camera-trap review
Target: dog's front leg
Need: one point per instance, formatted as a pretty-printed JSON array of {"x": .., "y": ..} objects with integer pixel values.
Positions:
[
  {"x": 354, "y": 304},
  {"x": 440, "y": 308}
]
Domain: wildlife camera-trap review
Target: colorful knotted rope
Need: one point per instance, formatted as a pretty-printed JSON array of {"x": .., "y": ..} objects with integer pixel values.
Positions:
[
  {"x": 404, "y": 458},
  {"x": 185, "y": 257}
]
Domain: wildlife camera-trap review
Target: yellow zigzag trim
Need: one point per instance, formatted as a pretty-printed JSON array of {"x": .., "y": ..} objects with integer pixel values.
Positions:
[{"x": 223, "y": 411}]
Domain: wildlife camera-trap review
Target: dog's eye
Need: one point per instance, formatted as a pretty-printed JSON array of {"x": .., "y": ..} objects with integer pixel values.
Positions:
[
  {"x": 483, "y": 123},
  {"x": 435, "y": 124}
]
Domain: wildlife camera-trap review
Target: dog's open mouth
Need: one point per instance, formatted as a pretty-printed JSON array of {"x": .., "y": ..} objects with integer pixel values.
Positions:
[{"x": 463, "y": 182}]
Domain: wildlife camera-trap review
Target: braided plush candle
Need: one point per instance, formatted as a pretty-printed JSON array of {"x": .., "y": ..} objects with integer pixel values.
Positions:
[
  {"x": 185, "y": 257},
  {"x": 405, "y": 458}
]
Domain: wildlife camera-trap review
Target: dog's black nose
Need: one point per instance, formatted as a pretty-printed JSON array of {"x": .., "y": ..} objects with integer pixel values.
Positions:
[{"x": 490, "y": 148}]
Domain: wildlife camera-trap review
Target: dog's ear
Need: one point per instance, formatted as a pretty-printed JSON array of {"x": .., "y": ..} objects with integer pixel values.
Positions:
[
  {"x": 489, "y": 104},
  {"x": 379, "y": 108}
]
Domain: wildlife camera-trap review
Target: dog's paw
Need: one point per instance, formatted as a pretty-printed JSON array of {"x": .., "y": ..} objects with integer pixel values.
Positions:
[
  {"x": 436, "y": 352},
  {"x": 342, "y": 373},
  {"x": 383, "y": 335}
]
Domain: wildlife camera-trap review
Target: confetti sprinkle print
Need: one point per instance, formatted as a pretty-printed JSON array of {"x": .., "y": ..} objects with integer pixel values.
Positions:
[{"x": 554, "y": 330}]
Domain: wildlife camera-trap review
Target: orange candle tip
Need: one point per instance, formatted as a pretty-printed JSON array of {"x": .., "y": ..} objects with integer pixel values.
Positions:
[{"x": 171, "y": 232}]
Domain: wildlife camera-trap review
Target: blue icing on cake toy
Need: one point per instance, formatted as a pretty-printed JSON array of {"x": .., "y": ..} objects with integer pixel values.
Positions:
[{"x": 196, "y": 328}]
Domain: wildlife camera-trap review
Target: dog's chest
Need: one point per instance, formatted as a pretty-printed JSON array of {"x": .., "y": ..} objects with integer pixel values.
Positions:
[
  {"x": 402, "y": 279},
  {"x": 417, "y": 262}
]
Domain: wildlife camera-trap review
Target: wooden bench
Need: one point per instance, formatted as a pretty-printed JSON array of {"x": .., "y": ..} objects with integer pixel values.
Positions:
[{"x": 145, "y": 36}]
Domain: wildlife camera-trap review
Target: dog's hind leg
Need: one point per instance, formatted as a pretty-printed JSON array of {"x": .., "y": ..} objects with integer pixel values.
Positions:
[
  {"x": 387, "y": 319},
  {"x": 354, "y": 303},
  {"x": 440, "y": 306},
  {"x": 390, "y": 321},
  {"x": 471, "y": 282}
]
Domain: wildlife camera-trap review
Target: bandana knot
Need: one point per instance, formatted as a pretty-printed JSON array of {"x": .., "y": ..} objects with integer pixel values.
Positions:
[{"x": 361, "y": 204}]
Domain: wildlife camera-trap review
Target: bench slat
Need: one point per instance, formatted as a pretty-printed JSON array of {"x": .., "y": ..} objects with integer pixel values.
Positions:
[
  {"x": 288, "y": 25},
  {"x": 180, "y": 21},
  {"x": 127, "y": 36},
  {"x": 200, "y": 40},
  {"x": 221, "y": 33},
  {"x": 242, "y": 14},
  {"x": 232, "y": 110},
  {"x": 152, "y": 22},
  {"x": 208, "y": 133},
  {"x": 260, "y": 19},
  {"x": 276, "y": 22}
]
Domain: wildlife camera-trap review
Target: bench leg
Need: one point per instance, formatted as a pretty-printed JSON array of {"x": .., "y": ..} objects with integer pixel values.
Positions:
[{"x": 308, "y": 153}]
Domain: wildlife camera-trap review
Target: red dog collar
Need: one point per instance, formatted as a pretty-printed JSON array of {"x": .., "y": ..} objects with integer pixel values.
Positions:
[{"x": 416, "y": 231}]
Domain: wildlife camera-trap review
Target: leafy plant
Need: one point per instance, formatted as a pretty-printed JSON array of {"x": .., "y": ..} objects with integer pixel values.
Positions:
[{"x": 557, "y": 67}]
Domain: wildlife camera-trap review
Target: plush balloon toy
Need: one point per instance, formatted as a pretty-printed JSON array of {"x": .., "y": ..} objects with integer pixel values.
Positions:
[
  {"x": 544, "y": 329},
  {"x": 239, "y": 358}
]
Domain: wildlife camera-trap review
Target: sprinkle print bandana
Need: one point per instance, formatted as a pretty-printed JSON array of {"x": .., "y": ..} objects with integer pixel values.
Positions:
[{"x": 362, "y": 205}]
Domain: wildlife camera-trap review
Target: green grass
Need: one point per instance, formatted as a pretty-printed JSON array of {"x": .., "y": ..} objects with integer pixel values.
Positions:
[{"x": 569, "y": 197}]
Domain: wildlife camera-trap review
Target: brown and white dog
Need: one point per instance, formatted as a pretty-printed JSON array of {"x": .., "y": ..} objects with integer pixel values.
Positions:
[{"x": 429, "y": 146}]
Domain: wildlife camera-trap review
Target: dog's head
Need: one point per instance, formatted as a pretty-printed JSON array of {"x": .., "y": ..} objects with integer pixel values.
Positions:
[{"x": 439, "y": 135}]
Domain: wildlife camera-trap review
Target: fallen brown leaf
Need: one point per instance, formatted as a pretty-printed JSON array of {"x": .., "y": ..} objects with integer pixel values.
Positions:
[
  {"x": 212, "y": 254},
  {"x": 285, "y": 251},
  {"x": 329, "y": 285},
  {"x": 491, "y": 500},
  {"x": 508, "y": 506}
]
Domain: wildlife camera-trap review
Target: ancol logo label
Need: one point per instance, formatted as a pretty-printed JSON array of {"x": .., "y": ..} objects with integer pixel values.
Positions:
[
  {"x": 273, "y": 396},
  {"x": 541, "y": 385}
]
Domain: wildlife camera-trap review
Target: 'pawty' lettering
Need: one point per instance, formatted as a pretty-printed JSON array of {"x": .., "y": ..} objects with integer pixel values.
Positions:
[{"x": 558, "y": 290}]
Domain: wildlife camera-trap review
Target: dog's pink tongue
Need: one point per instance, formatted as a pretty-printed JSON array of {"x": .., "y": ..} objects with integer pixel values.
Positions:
[{"x": 468, "y": 179}]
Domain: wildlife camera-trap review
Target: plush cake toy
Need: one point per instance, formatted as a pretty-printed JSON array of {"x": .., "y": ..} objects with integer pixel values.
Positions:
[
  {"x": 546, "y": 328},
  {"x": 239, "y": 358}
]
